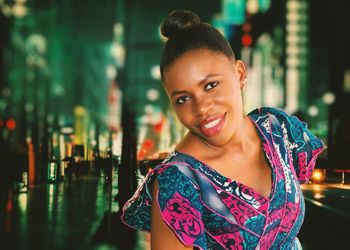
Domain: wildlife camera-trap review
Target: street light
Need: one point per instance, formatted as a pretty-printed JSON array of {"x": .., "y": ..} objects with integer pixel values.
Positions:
[
  {"x": 16, "y": 9},
  {"x": 52, "y": 171}
]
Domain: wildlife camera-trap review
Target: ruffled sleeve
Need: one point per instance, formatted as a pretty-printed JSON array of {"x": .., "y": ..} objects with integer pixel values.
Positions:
[
  {"x": 178, "y": 201},
  {"x": 303, "y": 146}
]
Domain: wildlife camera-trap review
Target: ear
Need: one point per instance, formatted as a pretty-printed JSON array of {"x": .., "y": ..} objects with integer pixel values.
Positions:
[{"x": 242, "y": 73}]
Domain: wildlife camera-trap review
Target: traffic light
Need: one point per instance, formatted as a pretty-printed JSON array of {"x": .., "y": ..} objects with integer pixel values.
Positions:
[
  {"x": 246, "y": 40},
  {"x": 11, "y": 124}
]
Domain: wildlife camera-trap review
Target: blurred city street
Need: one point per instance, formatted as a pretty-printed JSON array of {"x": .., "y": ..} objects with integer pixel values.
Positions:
[
  {"x": 84, "y": 116},
  {"x": 79, "y": 215},
  {"x": 76, "y": 215},
  {"x": 327, "y": 220}
]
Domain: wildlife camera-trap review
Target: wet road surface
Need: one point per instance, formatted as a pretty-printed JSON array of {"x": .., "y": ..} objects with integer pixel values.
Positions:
[
  {"x": 327, "y": 221},
  {"x": 83, "y": 215},
  {"x": 61, "y": 216}
]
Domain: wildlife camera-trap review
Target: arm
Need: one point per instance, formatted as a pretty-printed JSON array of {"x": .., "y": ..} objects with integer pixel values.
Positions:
[{"x": 161, "y": 235}]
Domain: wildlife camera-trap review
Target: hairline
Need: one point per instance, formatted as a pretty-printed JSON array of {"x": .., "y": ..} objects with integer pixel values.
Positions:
[{"x": 231, "y": 58}]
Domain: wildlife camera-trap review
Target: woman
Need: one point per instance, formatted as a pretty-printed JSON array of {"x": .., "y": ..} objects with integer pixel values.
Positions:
[{"x": 234, "y": 181}]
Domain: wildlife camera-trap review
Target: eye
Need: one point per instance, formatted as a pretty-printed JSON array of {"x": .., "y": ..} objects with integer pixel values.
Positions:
[
  {"x": 182, "y": 99},
  {"x": 211, "y": 85}
]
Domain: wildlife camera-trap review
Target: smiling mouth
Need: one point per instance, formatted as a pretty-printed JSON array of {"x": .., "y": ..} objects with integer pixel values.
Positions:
[{"x": 212, "y": 125}]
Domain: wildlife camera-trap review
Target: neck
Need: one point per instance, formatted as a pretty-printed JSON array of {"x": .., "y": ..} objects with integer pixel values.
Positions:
[{"x": 240, "y": 142}]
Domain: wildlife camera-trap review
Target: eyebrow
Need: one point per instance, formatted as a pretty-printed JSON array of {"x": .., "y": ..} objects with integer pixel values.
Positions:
[{"x": 199, "y": 83}]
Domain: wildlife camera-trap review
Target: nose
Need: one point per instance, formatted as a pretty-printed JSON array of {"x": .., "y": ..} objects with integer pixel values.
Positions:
[{"x": 202, "y": 107}]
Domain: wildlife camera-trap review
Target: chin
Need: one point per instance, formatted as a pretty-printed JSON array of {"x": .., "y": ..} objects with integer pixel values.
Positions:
[{"x": 220, "y": 139}]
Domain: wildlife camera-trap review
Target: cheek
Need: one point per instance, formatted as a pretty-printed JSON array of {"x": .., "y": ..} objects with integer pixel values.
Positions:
[
  {"x": 228, "y": 94},
  {"x": 184, "y": 115},
  {"x": 231, "y": 98}
]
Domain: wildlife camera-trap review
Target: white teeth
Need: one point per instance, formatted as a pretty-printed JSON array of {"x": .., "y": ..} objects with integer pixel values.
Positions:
[{"x": 212, "y": 124}]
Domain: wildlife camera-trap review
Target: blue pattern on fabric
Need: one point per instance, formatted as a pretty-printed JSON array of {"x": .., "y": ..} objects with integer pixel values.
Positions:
[{"x": 210, "y": 211}]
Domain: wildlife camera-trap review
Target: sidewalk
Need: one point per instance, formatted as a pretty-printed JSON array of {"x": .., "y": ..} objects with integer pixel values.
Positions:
[{"x": 338, "y": 185}]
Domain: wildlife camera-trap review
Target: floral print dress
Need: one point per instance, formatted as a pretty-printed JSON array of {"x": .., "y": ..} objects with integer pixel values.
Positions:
[{"x": 210, "y": 211}]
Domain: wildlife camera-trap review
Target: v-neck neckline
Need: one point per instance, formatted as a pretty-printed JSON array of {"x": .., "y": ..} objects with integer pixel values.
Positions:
[{"x": 270, "y": 164}]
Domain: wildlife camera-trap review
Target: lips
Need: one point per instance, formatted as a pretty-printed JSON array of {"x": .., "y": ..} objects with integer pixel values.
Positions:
[{"x": 212, "y": 125}]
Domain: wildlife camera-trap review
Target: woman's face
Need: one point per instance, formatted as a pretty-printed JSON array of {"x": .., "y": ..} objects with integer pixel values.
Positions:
[{"x": 204, "y": 88}]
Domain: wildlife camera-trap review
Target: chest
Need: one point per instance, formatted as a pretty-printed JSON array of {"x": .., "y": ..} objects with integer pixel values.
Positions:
[{"x": 253, "y": 172}]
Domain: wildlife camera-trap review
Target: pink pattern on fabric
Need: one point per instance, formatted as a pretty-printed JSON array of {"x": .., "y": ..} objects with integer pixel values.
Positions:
[
  {"x": 233, "y": 241},
  {"x": 264, "y": 206},
  {"x": 279, "y": 217},
  {"x": 183, "y": 218},
  {"x": 249, "y": 198},
  {"x": 249, "y": 191},
  {"x": 257, "y": 198},
  {"x": 315, "y": 153},
  {"x": 302, "y": 163},
  {"x": 289, "y": 217},
  {"x": 240, "y": 210},
  {"x": 274, "y": 157},
  {"x": 269, "y": 237},
  {"x": 306, "y": 168}
]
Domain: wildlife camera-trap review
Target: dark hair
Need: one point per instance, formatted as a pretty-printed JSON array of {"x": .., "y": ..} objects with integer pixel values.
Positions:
[{"x": 187, "y": 33}]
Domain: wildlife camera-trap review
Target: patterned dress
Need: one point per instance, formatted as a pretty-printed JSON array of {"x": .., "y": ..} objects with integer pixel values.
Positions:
[{"x": 210, "y": 211}]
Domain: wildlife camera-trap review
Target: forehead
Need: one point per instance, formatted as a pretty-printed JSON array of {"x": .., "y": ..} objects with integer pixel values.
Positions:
[{"x": 195, "y": 65}]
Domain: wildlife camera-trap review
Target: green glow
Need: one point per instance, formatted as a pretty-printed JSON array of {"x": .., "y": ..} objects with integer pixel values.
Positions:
[
  {"x": 234, "y": 11},
  {"x": 264, "y": 5},
  {"x": 52, "y": 171},
  {"x": 220, "y": 24},
  {"x": 23, "y": 202},
  {"x": 52, "y": 203}
]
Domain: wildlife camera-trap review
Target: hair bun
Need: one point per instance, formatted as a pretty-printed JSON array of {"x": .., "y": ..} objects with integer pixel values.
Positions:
[{"x": 178, "y": 21}]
